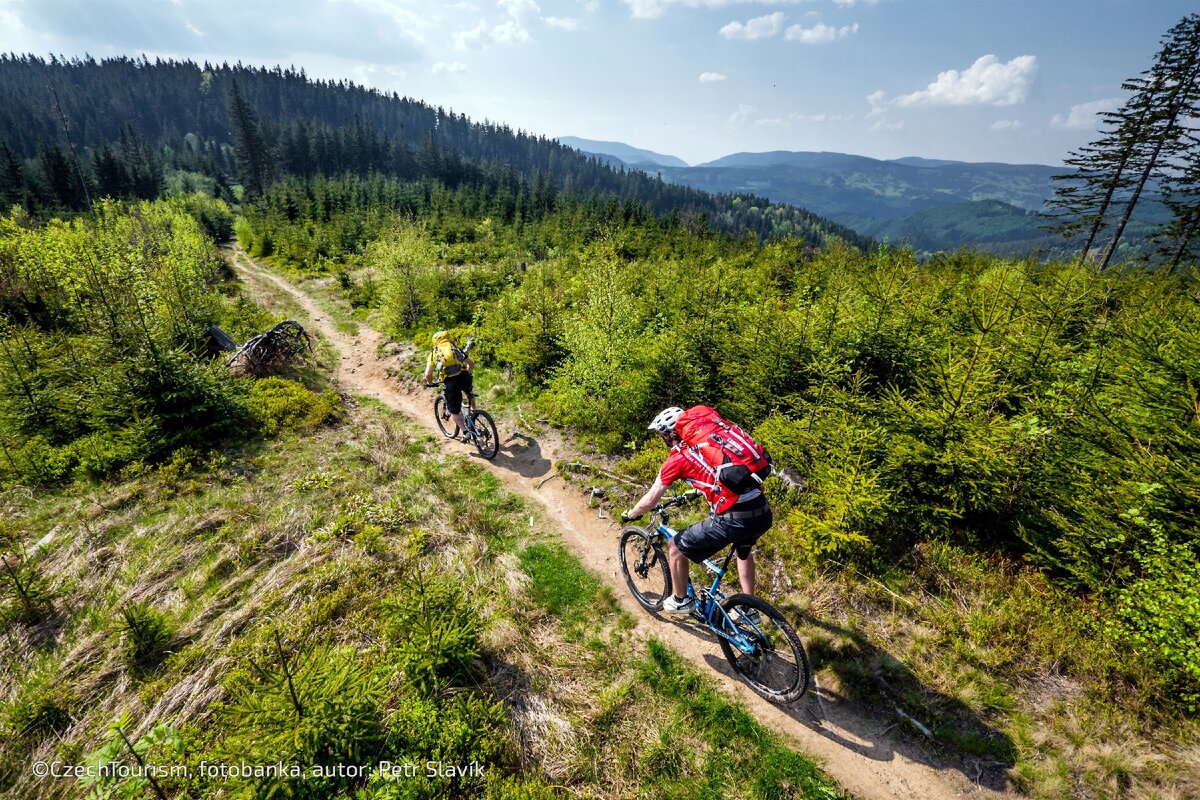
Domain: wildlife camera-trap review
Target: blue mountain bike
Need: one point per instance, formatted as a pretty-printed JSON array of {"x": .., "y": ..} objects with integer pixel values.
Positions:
[{"x": 757, "y": 641}]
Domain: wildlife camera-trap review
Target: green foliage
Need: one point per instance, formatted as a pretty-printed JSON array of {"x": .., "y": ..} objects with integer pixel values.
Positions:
[
  {"x": 41, "y": 708},
  {"x": 435, "y": 634},
  {"x": 559, "y": 584},
  {"x": 100, "y": 318},
  {"x": 322, "y": 707},
  {"x": 145, "y": 758},
  {"x": 24, "y": 588},
  {"x": 1042, "y": 410},
  {"x": 1158, "y": 615},
  {"x": 280, "y": 404},
  {"x": 146, "y": 632},
  {"x": 739, "y": 748}
]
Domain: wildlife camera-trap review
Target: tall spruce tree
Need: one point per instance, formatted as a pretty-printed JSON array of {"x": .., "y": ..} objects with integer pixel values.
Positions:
[
  {"x": 251, "y": 152},
  {"x": 1145, "y": 139},
  {"x": 1180, "y": 240}
]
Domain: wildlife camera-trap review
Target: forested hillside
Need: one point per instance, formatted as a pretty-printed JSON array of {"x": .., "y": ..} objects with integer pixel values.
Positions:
[{"x": 133, "y": 123}]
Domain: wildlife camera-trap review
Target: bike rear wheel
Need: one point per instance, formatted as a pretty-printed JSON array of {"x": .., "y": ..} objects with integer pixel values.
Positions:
[
  {"x": 445, "y": 422},
  {"x": 487, "y": 440},
  {"x": 644, "y": 565},
  {"x": 777, "y": 667}
]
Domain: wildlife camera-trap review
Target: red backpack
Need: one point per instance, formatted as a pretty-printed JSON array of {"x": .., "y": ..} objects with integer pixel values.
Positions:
[{"x": 738, "y": 462}]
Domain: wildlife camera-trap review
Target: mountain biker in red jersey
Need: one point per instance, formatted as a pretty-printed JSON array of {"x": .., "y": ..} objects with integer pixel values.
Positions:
[{"x": 741, "y": 524}]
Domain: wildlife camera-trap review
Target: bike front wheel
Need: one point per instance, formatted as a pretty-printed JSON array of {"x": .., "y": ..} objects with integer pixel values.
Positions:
[
  {"x": 645, "y": 567},
  {"x": 487, "y": 440},
  {"x": 445, "y": 422},
  {"x": 775, "y": 666}
]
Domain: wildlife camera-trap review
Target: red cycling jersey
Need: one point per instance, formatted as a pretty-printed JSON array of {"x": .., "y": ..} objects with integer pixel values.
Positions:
[{"x": 684, "y": 464}]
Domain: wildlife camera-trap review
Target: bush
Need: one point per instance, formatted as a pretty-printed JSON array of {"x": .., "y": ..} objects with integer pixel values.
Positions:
[
  {"x": 40, "y": 709},
  {"x": 1158, "y": 616},
  {"x": 280, "y": 404},
  {"x": 39, "y": 463},
  {"x": 435, "y": 634},
  {"x": 320, "y": 708},
  {"x": 146, "y": 634}
]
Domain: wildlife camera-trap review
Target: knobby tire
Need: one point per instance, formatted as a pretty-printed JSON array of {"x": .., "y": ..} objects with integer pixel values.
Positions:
[
  {"x": 487, "y": 439},
  {"x": 778, "y": 669},
  {"x": 445, "y": 422},
  {"x": 644, "y": 565}
]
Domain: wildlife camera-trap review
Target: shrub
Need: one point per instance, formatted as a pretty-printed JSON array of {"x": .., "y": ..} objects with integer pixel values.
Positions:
[
  {"x": 281, "y": 404},
  {"x": 39, "y": 463},
  {"x": 319, "y": 708},
  {"x": 146, "y": 633},
  {"x": 435, "y": 634},
  {"x": 41, "y": 708}
]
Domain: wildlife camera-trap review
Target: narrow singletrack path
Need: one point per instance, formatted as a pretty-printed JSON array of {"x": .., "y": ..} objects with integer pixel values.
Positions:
[{"x": 868, "y": 755}]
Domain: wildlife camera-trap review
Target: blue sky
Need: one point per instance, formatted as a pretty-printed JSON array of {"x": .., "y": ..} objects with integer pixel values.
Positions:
[{"x": 976, "y": 80}]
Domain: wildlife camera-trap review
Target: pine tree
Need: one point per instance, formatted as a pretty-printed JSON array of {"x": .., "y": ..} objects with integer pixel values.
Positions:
[
  {"x": 251, "y": 152},
  {"x": 1145, "y": 137},
  {"x": 1178, "y": 73}
]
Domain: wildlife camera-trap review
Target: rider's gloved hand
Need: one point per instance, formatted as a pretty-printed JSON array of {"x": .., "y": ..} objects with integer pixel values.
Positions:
[{"x": 627, "y": 517}]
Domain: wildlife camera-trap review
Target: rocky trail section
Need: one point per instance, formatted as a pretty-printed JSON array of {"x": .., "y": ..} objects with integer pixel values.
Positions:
[{"x": 869, "y": 755}]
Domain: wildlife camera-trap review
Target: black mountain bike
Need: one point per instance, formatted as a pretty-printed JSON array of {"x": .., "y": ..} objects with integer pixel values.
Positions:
[{"x": 481, "y": 428}]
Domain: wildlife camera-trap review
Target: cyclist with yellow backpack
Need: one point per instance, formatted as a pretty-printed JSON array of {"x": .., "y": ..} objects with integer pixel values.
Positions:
[{"x": 453, "y": 367}]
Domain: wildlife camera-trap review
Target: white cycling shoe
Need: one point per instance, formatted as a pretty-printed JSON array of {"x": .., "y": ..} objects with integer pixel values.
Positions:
[{"x": 679, "y": 607}]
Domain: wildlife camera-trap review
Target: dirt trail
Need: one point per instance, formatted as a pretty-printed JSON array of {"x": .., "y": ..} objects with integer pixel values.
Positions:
[{"x": 868, "y": 755}]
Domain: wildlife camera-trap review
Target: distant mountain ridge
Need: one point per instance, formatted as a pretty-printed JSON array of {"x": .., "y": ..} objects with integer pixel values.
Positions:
[
  {"x": 633, "y": 156},
  {"x": 936, "y": 204}
]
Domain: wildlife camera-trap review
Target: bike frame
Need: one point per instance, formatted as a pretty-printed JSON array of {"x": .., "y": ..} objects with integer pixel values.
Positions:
[{"x": 720, "y": 625}]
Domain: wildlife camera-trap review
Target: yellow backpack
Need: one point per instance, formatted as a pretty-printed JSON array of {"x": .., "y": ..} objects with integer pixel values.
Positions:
[{"x": 449, "y": 356}]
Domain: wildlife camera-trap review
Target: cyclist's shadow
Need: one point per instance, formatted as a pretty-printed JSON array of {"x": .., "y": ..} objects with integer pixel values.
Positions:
[
  {"x": 860, "y": 711},
  {"x": 522, "y": 454}
]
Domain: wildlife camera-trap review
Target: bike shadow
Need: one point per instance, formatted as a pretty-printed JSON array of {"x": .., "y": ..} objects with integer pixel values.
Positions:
[
  {"x": 862, "y": 713},
  {"x": 523, "y": 455}
]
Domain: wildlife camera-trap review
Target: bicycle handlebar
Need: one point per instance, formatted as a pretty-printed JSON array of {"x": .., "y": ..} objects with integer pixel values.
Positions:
[{"x": 675, "y": 501}]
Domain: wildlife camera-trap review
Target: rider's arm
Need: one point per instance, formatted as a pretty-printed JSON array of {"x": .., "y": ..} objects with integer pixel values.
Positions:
[
  {"x": 469, "y": 363},
  {"x": 428, "y": 370},
  {"x": 652, "y": 496}
]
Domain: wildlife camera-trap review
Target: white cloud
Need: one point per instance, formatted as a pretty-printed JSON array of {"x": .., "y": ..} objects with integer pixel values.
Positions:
[
  {"x": 988, "y": 81},
  {"x": 884, "y": 125},
  {"x": 464, "y": 40},
  {"x": 562, "y": 23},
  {"x": 876, "y": 99},
  {"x": 739, "y": 117},
  {"x": 406, "y": 19},
  {"x": 1084, "y": 115},
  {"x": 819, "y": 33},
  {"x": 710, "y": 77},
  {"x": 511, "y": 32},
  {"x": 757, "y": 28},
  {"x": 849, "y": 3},
  {"x": 518, "y": 8},
  {"x": 652, "y": 9},
  {"x": 194, "y": 30},
  {"x": 1007, "y": 125},
  {"x": 791, "y": 120},
  {"x": 442, "y": 66}
]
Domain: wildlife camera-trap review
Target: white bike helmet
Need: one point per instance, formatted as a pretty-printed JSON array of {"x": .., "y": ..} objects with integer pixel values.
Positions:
[{"x": 664, "y": 423}]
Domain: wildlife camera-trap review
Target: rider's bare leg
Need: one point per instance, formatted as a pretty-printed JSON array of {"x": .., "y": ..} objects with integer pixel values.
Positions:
[
  {"x": 745, "y": 568},
  {"x": 680, "y": 567}
]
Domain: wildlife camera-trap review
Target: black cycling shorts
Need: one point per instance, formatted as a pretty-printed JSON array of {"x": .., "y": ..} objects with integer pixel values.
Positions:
[
  {"x": 709, "y": 537},
  {"x": 454, "y": 388}
]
